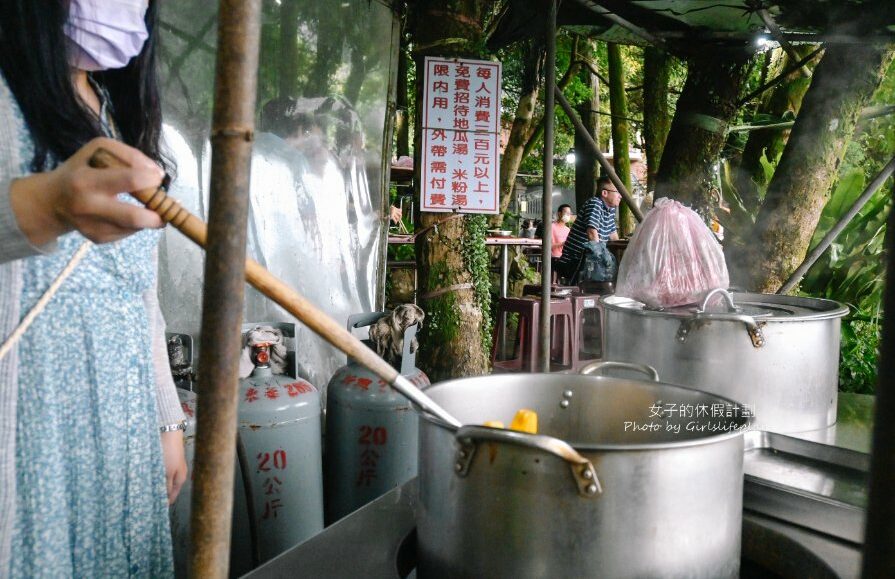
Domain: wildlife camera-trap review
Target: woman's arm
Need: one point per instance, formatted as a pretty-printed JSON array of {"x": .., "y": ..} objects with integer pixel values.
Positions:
[
  {"x": 169, "y": 409},
  {"x": 14, "y": 244},
  {"x": 38, "y": 208}
]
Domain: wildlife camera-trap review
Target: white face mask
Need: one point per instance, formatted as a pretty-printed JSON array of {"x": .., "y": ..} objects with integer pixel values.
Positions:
[
  {"x": 105, "y": 34},
  {"x": 566, "y": 218}
]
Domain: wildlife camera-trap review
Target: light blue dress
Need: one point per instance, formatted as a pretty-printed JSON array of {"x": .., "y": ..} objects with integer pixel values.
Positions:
[{"x": 91, "y": 496}]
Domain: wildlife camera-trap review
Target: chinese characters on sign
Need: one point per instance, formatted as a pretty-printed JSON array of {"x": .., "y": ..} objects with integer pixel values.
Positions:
[{"x": 460, "y": 145}]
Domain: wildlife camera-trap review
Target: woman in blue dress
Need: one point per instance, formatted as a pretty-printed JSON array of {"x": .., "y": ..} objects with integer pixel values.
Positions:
[{"x": 91, "y": 447}]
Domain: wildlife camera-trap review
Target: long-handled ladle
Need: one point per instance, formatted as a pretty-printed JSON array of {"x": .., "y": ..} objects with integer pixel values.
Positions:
[{"x": 268, "y": 284}]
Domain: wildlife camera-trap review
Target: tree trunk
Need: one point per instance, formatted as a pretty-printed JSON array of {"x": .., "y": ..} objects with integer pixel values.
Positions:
[
  {"x": 618, "y": 106},
  {"x": 402, "y": 118},
  {"x": 329, "y": 51},
  {"x": 357, "y": 75},
  {"x": 656, "y": 120},
  {"x": 526, "y": 131},
  {"x": 532, "y": 62},
  {"x": 587, "y": 168},
  {"x": 699, "y": 129},
  {"x": 538, "y": 126},
  {"x": 452, "y": 261},
  {"x": 843, "y": 83},
  {"x": 288, "y": 73},
  {"x": 784, "y": 100}
]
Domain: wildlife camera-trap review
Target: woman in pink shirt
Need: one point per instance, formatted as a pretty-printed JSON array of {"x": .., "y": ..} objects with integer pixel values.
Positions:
[{"x": 560, "y": 229}]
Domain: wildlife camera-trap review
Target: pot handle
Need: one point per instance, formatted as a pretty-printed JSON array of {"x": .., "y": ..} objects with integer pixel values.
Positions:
[
  {"x": 582, "y": 469},
  {"x": 643, "y": 368},
  {"x": 723, "y": 293},
  {"x": 756, "y": 335}
]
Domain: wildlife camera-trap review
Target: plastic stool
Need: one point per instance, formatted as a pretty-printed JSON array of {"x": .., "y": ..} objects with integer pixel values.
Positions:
[
  {"x": 587, "y": 313},
  {"x": 523, "y": 358}
]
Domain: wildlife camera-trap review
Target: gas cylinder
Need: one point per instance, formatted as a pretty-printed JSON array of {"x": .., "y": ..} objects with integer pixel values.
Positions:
[
  {"x": 280, "y": 457},
  {"x": 371, "y": 430}
]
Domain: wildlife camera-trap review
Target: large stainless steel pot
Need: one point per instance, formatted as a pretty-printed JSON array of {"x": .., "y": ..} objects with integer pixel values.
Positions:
[
  {"x": 777, "y": 354},
  {"x": 615, "y": 500}
]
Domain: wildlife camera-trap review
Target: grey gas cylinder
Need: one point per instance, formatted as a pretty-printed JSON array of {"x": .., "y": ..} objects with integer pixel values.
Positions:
[
  {"x": 279, "y": 448},
  {"x": 371, "y": 430}
]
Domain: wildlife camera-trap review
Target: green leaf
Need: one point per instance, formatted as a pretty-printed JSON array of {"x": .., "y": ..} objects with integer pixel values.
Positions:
[
  {"x": 768, "y": 167},
  {"x": 847, "y": 191}
]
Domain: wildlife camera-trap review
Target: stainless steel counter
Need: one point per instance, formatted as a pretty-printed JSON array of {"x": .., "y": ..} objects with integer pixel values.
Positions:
[
  {"x": 368, "y": 543},
  {"x": 378, "y": 540},
  {"x": 854, "y": 424}
]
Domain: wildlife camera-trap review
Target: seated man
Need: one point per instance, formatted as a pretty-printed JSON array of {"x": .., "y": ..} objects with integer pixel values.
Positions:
[{"x": 596, "y": 221}]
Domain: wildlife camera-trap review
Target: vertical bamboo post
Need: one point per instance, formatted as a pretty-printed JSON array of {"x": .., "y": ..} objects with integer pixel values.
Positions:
[
  {"x": 547, "y": 206},
  {"x": 236, "y": 73}
]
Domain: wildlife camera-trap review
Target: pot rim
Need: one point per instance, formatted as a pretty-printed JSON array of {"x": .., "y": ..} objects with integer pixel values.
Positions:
[
  {"x": 609, "y": 447},
  {"x": 826, "y": 309}
]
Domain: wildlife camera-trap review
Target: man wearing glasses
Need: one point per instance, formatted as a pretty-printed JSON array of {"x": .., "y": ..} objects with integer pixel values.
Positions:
[{"x": 596, "y": 221}]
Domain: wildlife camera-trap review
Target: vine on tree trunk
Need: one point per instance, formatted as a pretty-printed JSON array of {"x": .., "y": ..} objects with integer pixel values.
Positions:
[{"x": 478, "y": 261}]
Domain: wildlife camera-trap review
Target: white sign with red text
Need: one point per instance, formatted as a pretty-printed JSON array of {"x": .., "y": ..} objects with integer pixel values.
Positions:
[{"x": 461, "y": 122}]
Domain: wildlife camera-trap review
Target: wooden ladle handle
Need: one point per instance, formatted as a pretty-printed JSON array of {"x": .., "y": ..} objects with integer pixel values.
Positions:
[{"x": 274, "y": 288}]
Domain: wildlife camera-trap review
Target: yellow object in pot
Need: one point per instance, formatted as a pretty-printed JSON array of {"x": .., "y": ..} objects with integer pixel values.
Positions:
[{"x": 525, "y": 421}]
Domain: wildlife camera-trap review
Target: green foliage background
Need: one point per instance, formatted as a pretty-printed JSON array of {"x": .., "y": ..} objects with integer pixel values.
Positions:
[{"x": 851, "y": 271}]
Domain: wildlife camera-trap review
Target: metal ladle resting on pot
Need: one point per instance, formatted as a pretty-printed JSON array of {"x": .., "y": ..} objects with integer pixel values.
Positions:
[
  {"x": 668, "y": 502},
  {"x": 324, "y": 326}
]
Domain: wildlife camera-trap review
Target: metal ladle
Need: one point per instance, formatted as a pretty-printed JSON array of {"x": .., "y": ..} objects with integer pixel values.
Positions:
[
  {"x": 274, "y": 288},
  {"x": 324, "y": 326}
]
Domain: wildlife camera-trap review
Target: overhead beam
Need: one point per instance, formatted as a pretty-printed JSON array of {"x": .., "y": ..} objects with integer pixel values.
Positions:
[
  {"x": 878, "y": 37},
  {"x": 624, "y": 23},
  {"x": 867, "y": 113}
]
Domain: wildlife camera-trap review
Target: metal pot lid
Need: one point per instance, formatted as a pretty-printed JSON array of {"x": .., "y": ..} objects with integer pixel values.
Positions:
[{"x": 762, "y": 307}]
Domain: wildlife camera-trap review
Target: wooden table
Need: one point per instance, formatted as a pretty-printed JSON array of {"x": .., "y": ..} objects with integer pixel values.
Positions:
[{"x": 503, "y": 242}]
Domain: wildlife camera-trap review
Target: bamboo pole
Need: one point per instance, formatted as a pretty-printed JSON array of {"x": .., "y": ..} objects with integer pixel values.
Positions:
[
  {"x": 279, "y": 292},
  {"x": 236, "y": 73},
  {"x": 780, "y": 77},
  {"x": 779, "y": 37},
  {"x": 547, "y": 205},
  {"x": 831, "y": 236}
]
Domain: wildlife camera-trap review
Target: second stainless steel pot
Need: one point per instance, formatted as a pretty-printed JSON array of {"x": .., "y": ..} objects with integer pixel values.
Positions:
[
  {"x": 777, "y": 354},
  {"x": 628, "y": 478}
]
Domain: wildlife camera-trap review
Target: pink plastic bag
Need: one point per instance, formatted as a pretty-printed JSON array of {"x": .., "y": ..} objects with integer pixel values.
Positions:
[{"x": 672, "y": 260}]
